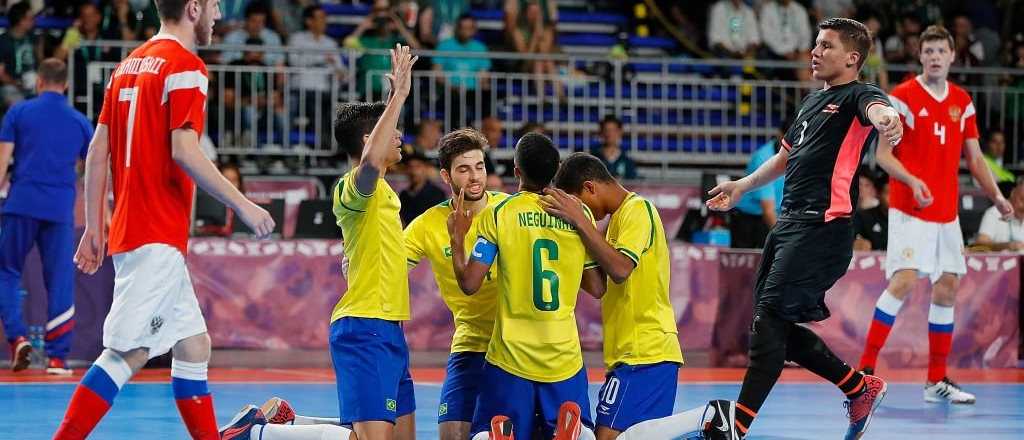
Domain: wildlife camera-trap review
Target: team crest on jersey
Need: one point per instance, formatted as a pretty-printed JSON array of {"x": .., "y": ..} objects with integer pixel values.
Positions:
[
  {"x": 831, "y": 108},
  {"x": 954, "y": 113}
]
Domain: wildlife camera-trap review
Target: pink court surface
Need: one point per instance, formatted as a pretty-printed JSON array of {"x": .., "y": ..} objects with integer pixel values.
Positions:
[{"x": 800, "y": 407}]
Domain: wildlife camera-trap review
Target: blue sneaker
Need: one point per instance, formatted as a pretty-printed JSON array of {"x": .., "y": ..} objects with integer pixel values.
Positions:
[
  {"x": 863, "y": 407},
  {"x": 241, "y": 425}
]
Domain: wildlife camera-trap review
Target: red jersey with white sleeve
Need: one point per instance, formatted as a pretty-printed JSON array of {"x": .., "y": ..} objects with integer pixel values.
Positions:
[
  {"x": 160, "y": 87},
  {"x": 935, "y": 128}
]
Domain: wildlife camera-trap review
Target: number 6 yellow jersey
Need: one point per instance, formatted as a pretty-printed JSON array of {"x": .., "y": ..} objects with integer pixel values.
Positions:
[{"x": 540, "y": 261}]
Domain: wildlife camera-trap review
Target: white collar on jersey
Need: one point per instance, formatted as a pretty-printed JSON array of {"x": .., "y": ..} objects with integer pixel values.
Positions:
[
  {"x": 166, "y": 37},
  {"x": 939, "y": 98}
]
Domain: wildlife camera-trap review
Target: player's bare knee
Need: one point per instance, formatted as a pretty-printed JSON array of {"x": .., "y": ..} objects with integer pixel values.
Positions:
[
  {"x": 944, "y": 290},
  {"x": 902, "y": 283},
  {"x": 136, "y": 359},
  {"x": 453, "y": 430},
  {"x": 193, "y": 348}
]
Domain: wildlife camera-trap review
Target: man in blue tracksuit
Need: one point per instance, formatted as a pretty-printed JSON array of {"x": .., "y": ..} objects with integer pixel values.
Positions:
[{"x": 46, "y": 137}]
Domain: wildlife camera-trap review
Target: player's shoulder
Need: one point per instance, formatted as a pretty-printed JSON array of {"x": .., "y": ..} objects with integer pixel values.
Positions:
[
  {"x": 637, "y": 204},
  {"x": 177, "y": 56},
  {"x": 958, "y": 93},
  {"x": 496, "y": 197},
  {"x": 906, "y": 87}
]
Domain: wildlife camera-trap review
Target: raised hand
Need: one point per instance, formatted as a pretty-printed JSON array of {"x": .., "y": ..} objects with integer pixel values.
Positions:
[
  {"x": 400, "y": 77},
  {"x": 460, "y": 218}
]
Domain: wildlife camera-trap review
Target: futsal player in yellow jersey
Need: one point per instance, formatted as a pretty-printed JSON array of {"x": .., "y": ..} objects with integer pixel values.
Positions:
[
  {"x": 461, "y": 154},
  {"x": 641, "y": 341},
  {"x": 368, "y": 348},
  {"x": 534, "y": 362}
]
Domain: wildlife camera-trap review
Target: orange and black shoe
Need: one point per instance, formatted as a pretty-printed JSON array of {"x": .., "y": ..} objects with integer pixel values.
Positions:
[
  {"x": 570, "y": 422},
  {"x": 501, "y": 428}
]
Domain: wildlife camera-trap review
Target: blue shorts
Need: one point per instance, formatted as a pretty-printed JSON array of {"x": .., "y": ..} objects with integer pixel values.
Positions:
[
  {"x": 371, "y": 366},
  {"x": 462, "y": 381},
  {"x": 635, "y": 393},
  {"x": 521, "y": 400}
]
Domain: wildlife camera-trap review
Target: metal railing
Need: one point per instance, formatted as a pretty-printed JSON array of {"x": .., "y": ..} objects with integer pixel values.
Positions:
[{"x": 676, "y": 110}]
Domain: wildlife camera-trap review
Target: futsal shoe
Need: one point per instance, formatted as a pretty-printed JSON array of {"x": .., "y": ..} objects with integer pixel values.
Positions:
[
  {"x": 21, "y": 353},
  {"x": 58, "y": 367},
  {"x": 861, "y": 409},
  {"x": 278, "y": 412},
  {"x": 241, "y": 425},
  {"x": 946, "y": 390},
  {"x": 868, "y": 371},
  {"x": 720, "y": 421},
  {"x": 501, "y": 428},
  {"x": 569, "y": 422}
]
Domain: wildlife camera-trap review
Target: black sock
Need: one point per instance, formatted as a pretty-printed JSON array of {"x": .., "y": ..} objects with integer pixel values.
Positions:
[
  {"x": 768, "y": 338},
  {"x": 807, "y": 349}
]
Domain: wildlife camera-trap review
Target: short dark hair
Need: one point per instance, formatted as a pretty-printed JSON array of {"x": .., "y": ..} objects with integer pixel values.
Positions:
[
  {"x": 610, "y": 119},
  {"x": 852, "y": 33},
  {"x": 936, "y": 33},
  {"x": 256, "y": 8},
  {"x": 308, "y": 12},
  {"x": 53, "y": 71},
  {"x": 353, "y": 121},
  {"x": 18, "y": 12},
  {"x": 537, "y": 159},
  {"x": 465, "y": 16},
  {"x": 458, "y": 142},
  {"x": 581, "y": 167},
  {"x": 170, "y": 10}
]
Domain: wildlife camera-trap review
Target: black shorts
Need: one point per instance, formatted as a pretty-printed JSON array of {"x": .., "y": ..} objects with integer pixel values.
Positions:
[{"x": 800, "y": 262}]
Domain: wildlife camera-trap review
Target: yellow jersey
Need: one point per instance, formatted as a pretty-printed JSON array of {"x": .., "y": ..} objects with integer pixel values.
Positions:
[
  {"x": 637, "y": 316},
  {"x": 540, "y": 262},
  {"x": 378, "y": 280},
  {"x": 427, "y": 236}
]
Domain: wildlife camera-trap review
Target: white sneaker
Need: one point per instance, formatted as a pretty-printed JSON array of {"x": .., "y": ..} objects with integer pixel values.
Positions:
[{"x": 947, "y": 391}]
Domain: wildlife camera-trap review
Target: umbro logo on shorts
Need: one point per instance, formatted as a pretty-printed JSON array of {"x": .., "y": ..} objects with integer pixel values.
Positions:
[{"x": 155, "y": 324}]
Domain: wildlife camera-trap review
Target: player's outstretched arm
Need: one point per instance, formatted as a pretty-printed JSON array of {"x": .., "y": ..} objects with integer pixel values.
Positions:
[
  {"x": 982, "y": 173},
  {"x": 375, "y": 155},
  {"x": 185, "y": 151},
  {"x": 888, "y": 161},
  {"x": 560, "y": 204},
  {"x": 726, "y": 195},
  {"x": 90, "y": 252},
  {"x": 470, "y": 271}
]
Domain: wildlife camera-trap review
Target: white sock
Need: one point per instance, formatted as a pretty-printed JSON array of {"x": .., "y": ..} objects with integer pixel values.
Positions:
[
  {"x": 587, "y": 433},
  {"x": 115, "y": 367},
  {"x": 667, "y": 428},
  {"x": 483, "y": 435},
  {"x": 307, "y": 420},
  {"x": 307, "y": 432}
]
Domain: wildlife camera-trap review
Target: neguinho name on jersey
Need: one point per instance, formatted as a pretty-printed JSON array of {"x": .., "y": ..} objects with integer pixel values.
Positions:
[{"x": 540, "y": 219}]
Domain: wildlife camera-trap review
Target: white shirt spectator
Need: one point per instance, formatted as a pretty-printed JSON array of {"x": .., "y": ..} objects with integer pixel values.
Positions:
[
  {"x": 1000, "y": 231},
  {"x": 314, "y": 80},
  {"x": 785, "y": 28},
  {"x": 269, "y": 37},
  {"x": 733, "y": 27},
  {"x": 834, "y": 8}
]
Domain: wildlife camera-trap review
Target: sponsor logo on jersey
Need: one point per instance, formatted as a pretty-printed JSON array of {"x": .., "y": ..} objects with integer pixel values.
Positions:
[
  {"x": 831, "y": 108},
  {"x": 923, "y": 113}
]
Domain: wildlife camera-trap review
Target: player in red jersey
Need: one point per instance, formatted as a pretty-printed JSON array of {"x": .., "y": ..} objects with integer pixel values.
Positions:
[
  {"x": 924, "y": 233},
  {"x": 148, "y": 136}
]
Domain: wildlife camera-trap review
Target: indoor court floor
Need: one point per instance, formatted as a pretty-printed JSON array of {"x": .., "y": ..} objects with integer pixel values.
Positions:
[{"x": 800, "y": 407}]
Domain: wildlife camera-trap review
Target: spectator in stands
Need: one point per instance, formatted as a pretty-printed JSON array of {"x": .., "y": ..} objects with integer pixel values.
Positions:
[
  {"x": 130, "y": 21},
  {"x": 439, "y": 20},
  {"x": 610, "y": 151},
  {"x": 381, "y": 30},
  {"x": 681, "y": 17},
  {"x": 871, "y": 225},
  {"x": 874, "y": 69},
  {"x": 786, "y": 31},
  {"x": 896, "y": 48},
  {"x": 867, "y": 191},
  {"x": 311, "y": 98},
  {"x": 513, "y": 9},
  {"x": 970, "y": 52},
  {"x": 86, "y": 29},
  {"x": 758, "y": 210},
  {"x": 833, "y": 8},
  {"x": 254, "y": 27},
  {"x": 530, "y": 32},
  {"x": 493, "y": 129},
  {"x": 467, "y": 76},
  {"x": 995, "y": 148},
  {"x": 231, "y": 172},
  {"x": 19, "y": 50},
  {"x": 1004, "y": 234},
  {"x": 422, "y": 193},
  {"x": 232, "y": 12},
  {"x": 286, "y": 16},
  {"x": 733, "y": 29},
  {"x": 253, "y": 87},
  {"x": 531, "y": 127},
  {"x": 428, "y": 132}
]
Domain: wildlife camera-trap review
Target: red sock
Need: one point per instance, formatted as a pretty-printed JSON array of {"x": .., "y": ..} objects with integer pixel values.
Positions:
[
  {"x": 878, "y": 332},
  {"x": 197, "y": 412},
  {"x": 940, "y": 341},
  {"x": 84, "y": 412}
]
